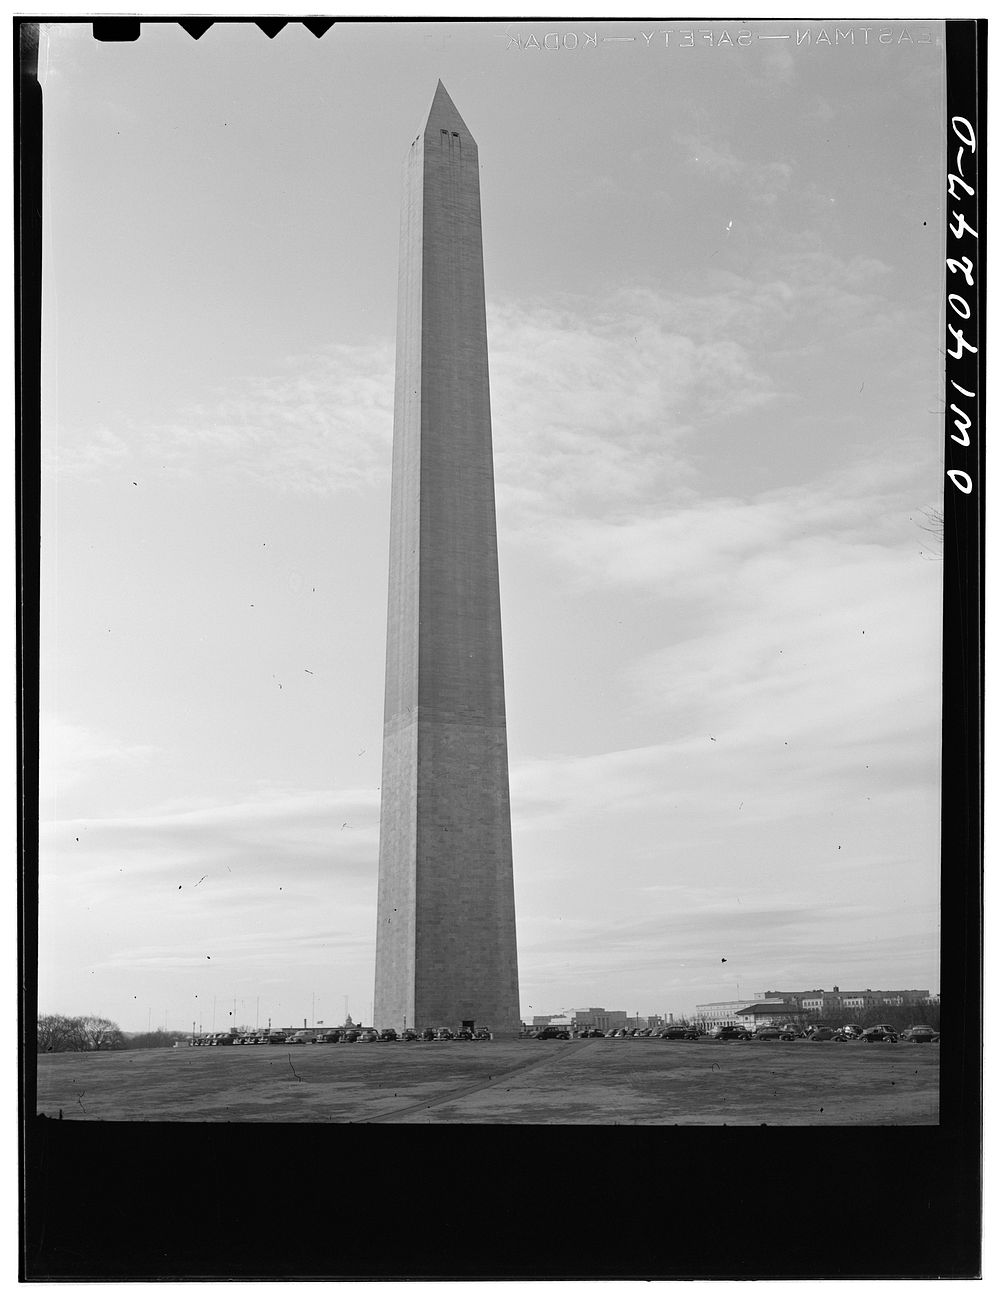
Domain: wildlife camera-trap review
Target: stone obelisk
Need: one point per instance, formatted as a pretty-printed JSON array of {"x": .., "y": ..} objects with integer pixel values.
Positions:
[{"x": 446, "y": 950}]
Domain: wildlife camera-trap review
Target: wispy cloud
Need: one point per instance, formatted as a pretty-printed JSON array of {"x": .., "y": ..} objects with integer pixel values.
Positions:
[
  {"x": 261, "y": 891},
  {"x": 699, "y": 549},
  {"x": 596, "y": 401},
  {"x": 592, "y": 401},
  {"x": 704, "y": 948},
  {"x": 713, "y": 158},
  {"x": 71, "y": 752},
  {"x": 321, "y": 424},
  {"x": 277, "y": 838}
]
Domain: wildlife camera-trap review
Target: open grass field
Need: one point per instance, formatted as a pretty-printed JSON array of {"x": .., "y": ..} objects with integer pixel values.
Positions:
[{"x": 589, "y": 1082}]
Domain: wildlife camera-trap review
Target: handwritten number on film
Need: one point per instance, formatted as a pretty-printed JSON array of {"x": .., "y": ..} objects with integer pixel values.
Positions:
[{"x": 958, "y": 305}]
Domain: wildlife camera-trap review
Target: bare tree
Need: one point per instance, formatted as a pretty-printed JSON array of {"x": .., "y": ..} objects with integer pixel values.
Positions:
[
  {"x": 58, "y": 1034},
  {"x": 933, "y": 525},
  {"x": 101, "y": 1033}
]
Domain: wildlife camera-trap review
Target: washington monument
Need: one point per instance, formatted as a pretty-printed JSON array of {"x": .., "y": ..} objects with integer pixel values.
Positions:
[{"x": 446, "y": 950}]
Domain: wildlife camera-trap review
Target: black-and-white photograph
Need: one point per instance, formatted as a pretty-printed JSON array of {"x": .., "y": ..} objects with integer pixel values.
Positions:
[
  {"x": 492, "y": 527},
  {"x": 690, "y": 280}
]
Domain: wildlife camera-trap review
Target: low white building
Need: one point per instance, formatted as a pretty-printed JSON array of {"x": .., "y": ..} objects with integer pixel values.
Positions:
[
  {"x": 769, "y": 1013},
  {"x": 720, "y": 1013}
]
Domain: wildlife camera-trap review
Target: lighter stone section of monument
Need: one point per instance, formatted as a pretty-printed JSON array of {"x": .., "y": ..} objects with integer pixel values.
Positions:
[{"x": 446, "y": 948}]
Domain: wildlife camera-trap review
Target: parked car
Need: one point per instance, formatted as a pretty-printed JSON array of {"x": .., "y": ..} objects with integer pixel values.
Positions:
[
  {"x": 275, "y": 1037},
  {"x": 880, "y": 1032},
  {"x": 773, "y": 1032},
  {"x": 552, "y": 1033},
  {"x": 408, "y": 1034},
  {"x": 822, "y": 1033},
  {"x": 920, "y": 1034},
  {"x": 679, "y": 1033},
  {"x": 329, "y": 1038},
  {"x": 368, "y": 1036},
  {"x": 597, "y": 1032},
  {"x": 388, "y": 1034},
  {"x": 444, "y": 1033},
  {"x": 727, "y": 1032},
  {"x": 301, "y": 1038},
  {"x": 428, "y": 1033},
  {"x": 350, "y": 1036},
  {"x": 853, "y": 1031},
  {"x": 484, "y": 1033}
]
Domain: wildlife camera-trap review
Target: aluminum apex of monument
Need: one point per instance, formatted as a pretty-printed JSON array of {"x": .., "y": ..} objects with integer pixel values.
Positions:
[{"x": 446, "y": 947}]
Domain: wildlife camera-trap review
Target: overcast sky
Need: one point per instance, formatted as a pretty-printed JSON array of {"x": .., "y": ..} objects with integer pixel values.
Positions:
[{"x": 713, "y": 278}]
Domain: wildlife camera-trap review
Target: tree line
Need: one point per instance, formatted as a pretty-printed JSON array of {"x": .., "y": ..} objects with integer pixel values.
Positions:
[{"x": 58, "y": 1034}]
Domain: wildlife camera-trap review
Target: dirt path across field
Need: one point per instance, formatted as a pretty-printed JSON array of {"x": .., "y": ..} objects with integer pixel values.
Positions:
[{"x": 453, "y": 1096}]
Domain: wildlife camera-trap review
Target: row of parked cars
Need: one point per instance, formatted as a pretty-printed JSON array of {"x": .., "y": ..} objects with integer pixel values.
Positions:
[
  {"x": 342, "y": 1035},
  {"x": 880, "y": 1033}
]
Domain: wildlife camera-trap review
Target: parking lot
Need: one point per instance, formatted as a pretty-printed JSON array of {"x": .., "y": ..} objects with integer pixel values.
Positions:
[{"x": 645, "y": 1081}]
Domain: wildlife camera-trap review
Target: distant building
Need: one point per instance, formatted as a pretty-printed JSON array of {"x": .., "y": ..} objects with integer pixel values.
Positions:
[
  {"x": 720, "y": 1013},
  {"x": 601, "y": 1019},
  {"x": 769, "y": 1013},
  {"x": 819, "y": 1003}
]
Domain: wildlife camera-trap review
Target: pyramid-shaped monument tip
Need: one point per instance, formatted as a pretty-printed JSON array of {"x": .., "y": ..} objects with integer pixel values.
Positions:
[{"x": 444, "y": 116}]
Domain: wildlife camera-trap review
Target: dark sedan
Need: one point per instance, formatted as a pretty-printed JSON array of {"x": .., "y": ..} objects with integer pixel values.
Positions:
[
  {"x": 727, "y": 1033},
  {"x": 920, "y": 1035},
  {"x": 878, "y": 1035}
]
